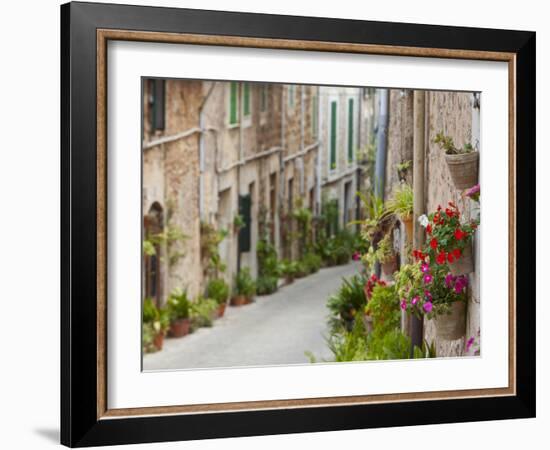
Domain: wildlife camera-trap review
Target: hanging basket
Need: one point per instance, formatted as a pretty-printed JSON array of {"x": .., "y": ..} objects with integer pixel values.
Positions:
[
  {"x": 464, "y": 264},
  {"x": 408, "y": 224},
  {"x": 451, "y": 327},
  {"x": 390, "y": 266},
  {"x": 463, "y": 169}
]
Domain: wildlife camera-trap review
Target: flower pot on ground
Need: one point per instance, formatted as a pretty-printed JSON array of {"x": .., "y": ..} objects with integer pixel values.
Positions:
[
  {"x": 463, "y": 163},
  {"x": 218, "y": 290},
  {"x": 464, "y": 264},
  {"x": 289, "y": 269},
  {"x": 452, "y": 325},
  {"x": 178, "y": 307},
  {"x": 179, "y": 328},
  {"x": 244, "y": 288},
  {"x": 238, "y": 300},
  {"x": 156, "y": 322},
  {"x": 158, "y": 341}
]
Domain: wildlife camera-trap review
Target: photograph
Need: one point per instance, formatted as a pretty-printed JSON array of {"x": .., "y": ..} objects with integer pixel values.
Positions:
[{"x": 287, "y": 224}]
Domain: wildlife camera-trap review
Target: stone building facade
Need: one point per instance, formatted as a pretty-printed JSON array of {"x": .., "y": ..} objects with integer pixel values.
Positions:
[
  {"x": 341, "y": 118},
  {"x": 216, "y": 150},
  {"x": 456, "y": 114}
]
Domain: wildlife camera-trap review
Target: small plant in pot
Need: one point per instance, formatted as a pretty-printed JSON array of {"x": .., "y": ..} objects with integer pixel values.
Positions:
[
  {"x": 401, "y": 204},
  {"x": 156, "y": 322},
  {"x": 403, "y": 169},
  {"x": 449, "y": 240},
  {"x": 463, "y": 163},
  {"x": 178, "y": 307},
  {"x": 244, "y": 288},
  {"x": 386, "y": 255},
  {"x": 428, "y": 289},
  {"x": 289, "y": 270},
  {"x": 217, "y": 289}
]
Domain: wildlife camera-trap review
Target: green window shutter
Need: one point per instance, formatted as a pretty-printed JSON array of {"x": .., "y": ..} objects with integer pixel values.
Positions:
[
  {"x": 333, "y": 123},
  {"x": 246, "y": 99},
  {"x": 350, "y": 130},
  {"x": 233, "y": 103},
  {"x": 245, "y": 232}
]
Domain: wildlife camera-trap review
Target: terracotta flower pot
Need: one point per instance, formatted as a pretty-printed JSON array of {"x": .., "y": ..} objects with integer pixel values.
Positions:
[
  {"x": 390, "y": 266},
  {"x": 221, "y": 309},
  {"x": 179, "y": 328},
  {"x": 451, "y": 327},
  {"x": 238, "y": 300},
  {"x": 463, "y": 169},
  {"x": 408, "y": 223},
  {"x": 158, "y": 341},
  {"x": 464, "y": 264},
  {"x": 289, "y": 279}
]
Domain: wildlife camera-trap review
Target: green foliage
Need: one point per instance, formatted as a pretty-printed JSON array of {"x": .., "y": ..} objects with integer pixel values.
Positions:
[
  {"x": 149, "y": 248},
  {"x": 178, "y": 304},
  {"x": 238, "y": 222},
  {"x": 268, "y": 263},
  {"x": 312, "y": 262},
  {"x": 383, "y": 307},
  {"x": 403, "y": 168},
  {"x": 218, "y": 290},
  {"x": 347, "y": 302},
  {"x": 150, "y": 312},
  {"x": 147, "y": 337},
  {"x": 244, "y": 284},
  {"x": 336, "y": 249},
  {"x": 401, "y": 202},
  {"x": 391, "y": 345},
  {"x": 266, "y": 285},
  {"x": 202, "y": 312},
  {"x": 210, "y": 240},
  {"x": 446, "y": 143},
  {"x": 349, "y": 346},
  {"x": 289, "y": 268}
]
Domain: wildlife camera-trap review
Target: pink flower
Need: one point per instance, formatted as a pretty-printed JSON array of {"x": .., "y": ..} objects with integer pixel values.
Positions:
[
  {"x": 450, "y": 280},
  {"x": 428, "y": 296},
  {"x": 473, "y": 192},
  {"x": 428, "y": 278},
  {"x": 415, "y": 300},
  {"x": 356, "y": 256},
  {"x": 469, "y": 343},
  {"x": 403, "y": 304},
  {"x": 424, "y": 268},
  {"x": 428, "y": 307}
]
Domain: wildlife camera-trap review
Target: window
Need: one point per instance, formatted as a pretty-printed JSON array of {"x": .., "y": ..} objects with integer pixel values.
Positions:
[
  {"x": 315, "y": 115},
  {"x": 246, "y": 99},
  {"x": 332, "y": 141},
  {"x": 291, "y": 96},
  {"x": 233, "y": 103},
  {"x": 245, "y": 206},
  {"x": 350, "y": 130},
  {"x": 263, "y": 97},
  {"x": 156, "y": 104}
]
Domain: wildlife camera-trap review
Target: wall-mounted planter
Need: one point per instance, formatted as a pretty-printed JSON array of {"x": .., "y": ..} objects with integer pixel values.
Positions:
[
  {"x": 390, "y": 266},
  {"x": 451, "y": 327},
  {"x": 463, "y": 169},
  {"x": 465, "y": 264}
]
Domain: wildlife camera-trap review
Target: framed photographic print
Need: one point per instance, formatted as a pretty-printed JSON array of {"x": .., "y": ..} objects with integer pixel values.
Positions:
[{"x": 277, "y": 224}]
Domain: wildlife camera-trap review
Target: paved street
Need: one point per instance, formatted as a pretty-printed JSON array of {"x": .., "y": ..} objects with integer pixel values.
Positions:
[{"x": 276, "y": 329}]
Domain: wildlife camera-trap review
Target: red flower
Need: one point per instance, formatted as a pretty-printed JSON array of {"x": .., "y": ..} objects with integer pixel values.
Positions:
[
  {"x": 429, "y": 228},
  {"x": 459, "y": 234},
  {"x": 417, "y": 254},
  {"x": 457, "y": 253},
  {"x": 433, "y": 243},
  {"x": 450, "y": 257},
  {"x": 439, "y": 207},
  {"x": 441, "y": 258},
  {"x": 449, "y": 212}
]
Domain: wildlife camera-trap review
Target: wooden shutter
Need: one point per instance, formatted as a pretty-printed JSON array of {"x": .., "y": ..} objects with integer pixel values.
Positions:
[
  {"x": 333, "y": 123},
  {"x": 158, "y": 102},
  {"x": 245, "y": 204},
  {"x": 350, "y": 130},
  {"x": 246, "y": 99},
  {"x": 233, "y": 103}
]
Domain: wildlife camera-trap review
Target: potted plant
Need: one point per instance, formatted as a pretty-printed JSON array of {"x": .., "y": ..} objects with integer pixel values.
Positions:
[
  {"x": 449, "y": 240},
  {"x": 386, "y": 255},
  {"x": 289, "y": 269},
  {"x": 238, "y": 223},
  {"x": 244, "y": 288},
  {"x": 202, "y": 312},
  {"x": 401, "y": 204},
  {"x": 430, "y": 290},
  {"x": 157, "y": 321},
  {"x": 178, "y": 307},
  {"x": 217, "y": 289},
  {"x": 349, "y": 301},
  {"x": 463, "y": 163},
  {"x": 383, "y": 309}
]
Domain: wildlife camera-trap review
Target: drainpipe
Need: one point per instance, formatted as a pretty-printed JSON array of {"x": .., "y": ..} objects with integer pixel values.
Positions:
[
  {"x": 419, "y": 147},
  {"x": 381, "y": 152},
  {"x": 382, "y": 145},
  {"x": 201, "y": 149},
  {"x": 320, "y": 149}
]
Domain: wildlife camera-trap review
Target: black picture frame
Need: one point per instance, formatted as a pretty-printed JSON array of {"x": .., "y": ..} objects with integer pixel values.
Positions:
[{"x": 80, "y": 425}]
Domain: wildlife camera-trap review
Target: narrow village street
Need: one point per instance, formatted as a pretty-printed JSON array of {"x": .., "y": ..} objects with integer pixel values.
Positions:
[{"x": 275, "y": 329}]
